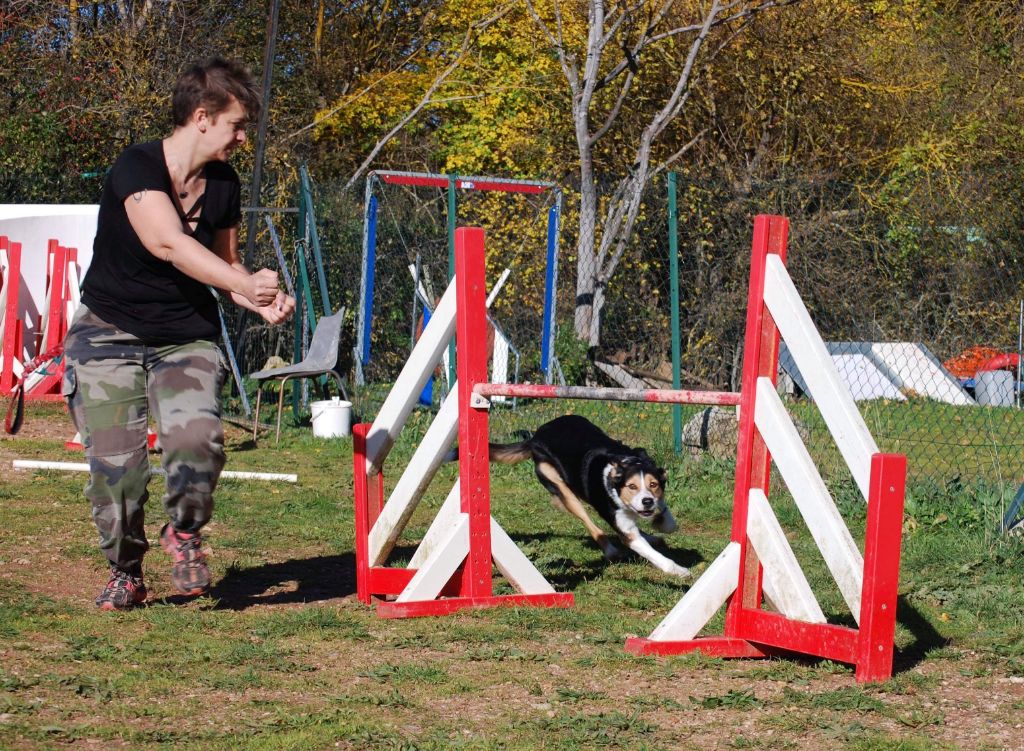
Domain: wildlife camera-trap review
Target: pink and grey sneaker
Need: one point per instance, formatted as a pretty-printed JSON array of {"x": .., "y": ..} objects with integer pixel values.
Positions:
[
  {"x": 124, "y": 591},
  {"x": 189, "y": 573}
]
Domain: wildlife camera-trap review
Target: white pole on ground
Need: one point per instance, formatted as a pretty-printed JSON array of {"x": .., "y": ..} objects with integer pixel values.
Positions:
[{"x": 83, "y": 467}]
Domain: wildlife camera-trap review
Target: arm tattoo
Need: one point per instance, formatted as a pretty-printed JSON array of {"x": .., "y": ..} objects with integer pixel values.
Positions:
[{"x": 139, "y": 196}]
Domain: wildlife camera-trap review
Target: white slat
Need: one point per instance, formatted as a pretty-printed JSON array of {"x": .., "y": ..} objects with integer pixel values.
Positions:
[
  {"x": 427, "y": 582},
  {"x": 415, "y": 479},
  {"x": 515, "y": 566},
  {"x": 447, "y": 517},
  {"x": 704, "y": 598},
  {"x": 499, "y": 363},
  {"x": 815, "y": 364},
  {"x": 784, "y": 582},
  {"x": 74, "y": 292},
  {"x": 809, "y": 493}
]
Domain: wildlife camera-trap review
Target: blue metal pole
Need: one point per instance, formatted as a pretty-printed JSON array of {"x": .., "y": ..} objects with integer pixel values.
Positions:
[{"x": 549, "y": 295}]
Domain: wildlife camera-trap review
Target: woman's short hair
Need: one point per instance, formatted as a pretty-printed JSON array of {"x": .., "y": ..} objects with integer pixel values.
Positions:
[{"x": 212, "y": 84}]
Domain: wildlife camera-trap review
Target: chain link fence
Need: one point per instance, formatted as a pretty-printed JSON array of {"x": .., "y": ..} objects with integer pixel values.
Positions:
[
  {"x": 920, "y": 309},
  {"x": 920, "y": 306}
]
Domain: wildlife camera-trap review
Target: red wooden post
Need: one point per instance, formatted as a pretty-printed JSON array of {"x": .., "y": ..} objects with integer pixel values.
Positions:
[
  {"x": 361, "y": 511},
  {"x": 12, "y": 334},
  {"x": 760, "y": 360},
  {"x": 58, "y": 275},
  {"x": 69, "y": 259},
  {"x": 471, "y": 366},
  {"x": 882, "y": 539}
]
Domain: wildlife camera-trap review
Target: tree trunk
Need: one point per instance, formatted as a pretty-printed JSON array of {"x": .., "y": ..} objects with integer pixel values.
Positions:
[
  {"x": 586, "y": 256},
  {"x": 73, "y": 27}
]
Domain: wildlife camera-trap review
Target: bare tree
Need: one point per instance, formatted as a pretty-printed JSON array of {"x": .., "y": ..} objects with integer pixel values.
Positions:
[{"x": 620, "y": 36}]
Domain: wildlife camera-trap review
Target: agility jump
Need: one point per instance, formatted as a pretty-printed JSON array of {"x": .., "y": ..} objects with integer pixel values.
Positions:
[{"x": 451, "y": 569}]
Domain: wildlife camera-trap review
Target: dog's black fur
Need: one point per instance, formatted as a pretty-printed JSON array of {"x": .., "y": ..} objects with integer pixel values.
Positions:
[{"x": 578, "y": 462}]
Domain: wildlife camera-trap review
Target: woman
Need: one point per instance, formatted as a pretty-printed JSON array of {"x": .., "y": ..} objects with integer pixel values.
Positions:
[{"x": 145, "y": 335}]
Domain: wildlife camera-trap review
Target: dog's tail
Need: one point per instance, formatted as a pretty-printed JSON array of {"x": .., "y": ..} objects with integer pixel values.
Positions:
[
  {"x": 509, "y": 453},
  {"x": 500, "y": 453}
]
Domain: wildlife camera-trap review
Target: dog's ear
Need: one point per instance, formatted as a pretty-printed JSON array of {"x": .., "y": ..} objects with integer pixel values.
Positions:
[
  {"x": 618, "y": 466},
  {"x": 662, "y": 476},
  {"x": 615, "y": 472}
]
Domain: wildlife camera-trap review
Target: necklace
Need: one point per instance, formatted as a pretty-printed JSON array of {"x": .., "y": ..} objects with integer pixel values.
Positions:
[{"x": 183, "y": 194}]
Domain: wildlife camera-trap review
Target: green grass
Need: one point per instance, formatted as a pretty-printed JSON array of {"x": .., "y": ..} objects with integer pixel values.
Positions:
[{"x": 281, "y": 655}]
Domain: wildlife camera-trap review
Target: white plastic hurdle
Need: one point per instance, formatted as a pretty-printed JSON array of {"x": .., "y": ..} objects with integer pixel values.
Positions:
[
  {"x": 452, "y": 568},
  {"x": 758, "y": 562}
]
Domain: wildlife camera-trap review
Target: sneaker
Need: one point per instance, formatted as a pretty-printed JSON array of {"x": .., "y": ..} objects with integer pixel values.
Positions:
[
  {"x": 124, "y": 590},
  {"x": 189, "y": 573}
]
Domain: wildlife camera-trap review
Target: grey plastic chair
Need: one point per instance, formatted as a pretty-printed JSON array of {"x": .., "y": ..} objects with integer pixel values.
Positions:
[{"x": 322, "y": 359}]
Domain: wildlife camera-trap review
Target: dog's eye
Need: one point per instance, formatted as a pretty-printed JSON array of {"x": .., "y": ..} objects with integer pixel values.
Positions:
[{"x": 632, "y": 486}]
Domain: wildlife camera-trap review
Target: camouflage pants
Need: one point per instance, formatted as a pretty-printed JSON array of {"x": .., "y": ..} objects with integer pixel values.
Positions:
[{"x": 111, "y": 382}]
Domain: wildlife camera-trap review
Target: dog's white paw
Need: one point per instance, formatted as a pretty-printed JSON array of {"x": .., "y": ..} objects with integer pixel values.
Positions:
[{"x": 681, "y": 571}]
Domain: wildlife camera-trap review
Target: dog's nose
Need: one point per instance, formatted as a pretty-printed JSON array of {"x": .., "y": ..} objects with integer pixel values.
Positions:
[{"x": 647, "y": 503}]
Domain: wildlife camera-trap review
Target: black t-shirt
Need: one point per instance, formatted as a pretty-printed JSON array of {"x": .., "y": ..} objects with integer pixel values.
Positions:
[{"x": 128, "y": 286}]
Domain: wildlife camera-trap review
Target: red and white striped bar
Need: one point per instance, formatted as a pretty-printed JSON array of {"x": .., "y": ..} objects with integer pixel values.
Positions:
[{"x": 659, "y": 396}]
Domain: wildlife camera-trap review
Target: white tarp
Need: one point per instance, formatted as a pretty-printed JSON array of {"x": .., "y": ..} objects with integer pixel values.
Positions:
[
  {"x": 886, "y": 370},
  {"x": 34, "y": 225}
]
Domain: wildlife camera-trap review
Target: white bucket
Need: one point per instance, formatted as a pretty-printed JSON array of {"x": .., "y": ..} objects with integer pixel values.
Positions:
[
  {"x": 994, "y": 388},
  {"x": 332, "y": 419}
]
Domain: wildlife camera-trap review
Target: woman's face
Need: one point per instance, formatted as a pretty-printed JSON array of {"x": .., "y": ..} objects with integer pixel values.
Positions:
[{"x": 225, "y": 131}]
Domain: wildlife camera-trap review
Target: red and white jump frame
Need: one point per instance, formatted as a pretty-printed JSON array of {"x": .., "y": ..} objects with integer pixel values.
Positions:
[
  {"x": 452, "y": 568},
  {"x": 758, "y": 562}
]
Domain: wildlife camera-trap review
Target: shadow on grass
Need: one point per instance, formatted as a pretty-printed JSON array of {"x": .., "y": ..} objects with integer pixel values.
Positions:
[
  {"x": 307, "y": 580},
  {"x": 311, "y": 580},
  {"x": 926, "y": 638}
]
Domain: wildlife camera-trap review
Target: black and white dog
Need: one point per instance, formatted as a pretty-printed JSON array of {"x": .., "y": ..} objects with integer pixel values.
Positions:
[{"x": 578, "y": 463}]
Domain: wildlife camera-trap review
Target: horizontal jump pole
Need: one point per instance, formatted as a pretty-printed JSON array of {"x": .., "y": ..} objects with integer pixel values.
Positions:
[
  {"x": 659, "y": 396},
  {"x": 465, "y": 183},
  {"x": 84, "y": 467}
]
